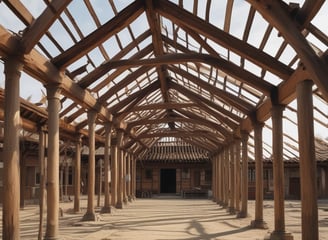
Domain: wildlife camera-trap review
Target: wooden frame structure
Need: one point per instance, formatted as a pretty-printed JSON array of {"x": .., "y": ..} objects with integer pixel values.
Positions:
[{"x": 154, "y": 69}]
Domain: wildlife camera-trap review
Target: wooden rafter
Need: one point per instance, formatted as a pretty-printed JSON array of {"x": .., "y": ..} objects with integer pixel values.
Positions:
[
  {"x": 107, "y": 30},
  {"x": 184, "y": 18},
  {"x": 39, "y": 27},
  {"x": 279, "y": 17}
]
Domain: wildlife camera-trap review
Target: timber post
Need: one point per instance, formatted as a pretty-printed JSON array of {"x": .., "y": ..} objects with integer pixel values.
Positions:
[
  {"x": 308, "y": 166},
  {"x": 11, "y": 167},
  {"x": 90, "y": 215},
  {"x": 53, "y": 96}
]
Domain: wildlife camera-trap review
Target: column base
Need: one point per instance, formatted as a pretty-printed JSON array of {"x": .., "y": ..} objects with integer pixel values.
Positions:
[
  {"x": 119, "y": 205},
  {"x": 130, "y": 198},
  {"x": 77, "y": 210},
  {"x": 278, "y": 235},
  {"x": 125, "y": 201},
  {"x": 50, "y": 238},
  {"x": 89, "y": 216},
  {"x": 260, "y": 224},
  {"x": 231, "y": 210},
  {"x": 106, "y": 210},
  {"x": 242, "y": 215}
]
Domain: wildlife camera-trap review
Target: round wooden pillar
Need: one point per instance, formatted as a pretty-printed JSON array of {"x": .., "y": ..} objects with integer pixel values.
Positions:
[
  {"x": 120, "y": 159},
  {"x": 214, "y": 179},
  {"x": 53, "y": 96},
  {"x": 113, "y": 166},
  {"x": 90, "y": 215},
  {"x": 244, "y": 183},
  {"x": 125, "y": 185},
  {"x": 11, "y": 169},
  {"x": 237, "y": 173},
  {"x": 108, "y": 129},
  {"x": 308, "y": 166},
  {"x": 278, "y": 175},
  {"x": 258, "y": 222},
  {"x": 226, "y": 176},
  {"x": 77, "y": 175},
  {"x": 129, "y": 185},
  {"x": 232, "y": 202}
]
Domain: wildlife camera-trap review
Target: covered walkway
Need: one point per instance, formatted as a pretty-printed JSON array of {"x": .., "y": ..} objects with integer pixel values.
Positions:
[{"x": 169, "y": 218}]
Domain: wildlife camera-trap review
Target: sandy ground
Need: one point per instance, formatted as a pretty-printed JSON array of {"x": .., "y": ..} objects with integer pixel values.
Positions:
[{"x": 164, "y": 218}]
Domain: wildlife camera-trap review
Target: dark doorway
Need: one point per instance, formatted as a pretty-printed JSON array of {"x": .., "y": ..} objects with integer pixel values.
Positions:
[
  {"x": 168, "y": 180},
  {"x": 294, "y": 188}
]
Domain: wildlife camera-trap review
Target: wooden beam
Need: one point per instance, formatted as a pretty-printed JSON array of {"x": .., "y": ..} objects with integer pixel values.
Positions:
[
  {"x": 104, "y": 68},
  {"x": 183, "y": 18},
  {"x": 286, "y": 93},
  {"x": 178, "y": 134},
  {"x": 143, "y": 92},
  {"x": 113, "y": 26},
  {"x": 155, "y": 27},
  {"x": 197, "y": 121},
  {"x": 308, "y": 11},
  {"x": 233, "y": 100},
  {"x": 20, "y": 11},
  {"x": 40, "y": 26},
  {"x": 44, "y": 71},
  {"x": 202, "y": 100},
  {"x": 277, "y": 14},
  {"x": 224, "y": 65},
  {"x": 123, "y": 83}
]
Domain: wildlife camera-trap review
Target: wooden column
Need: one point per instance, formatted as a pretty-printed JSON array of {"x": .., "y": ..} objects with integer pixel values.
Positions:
[
  {"x": 244, "y": 186},
  {"x": 218, "y": 179},
  {"x": 232, "y": 207},
  {"x": 90, "y": 215},
  {"x": 222, "y": 178},
  {"x": 11, "y": 180},
  {"x": 43, "y": 168},
  {"x": 77, "y": 174},
  {"x": 125, "y": 195},
  {"x": 129, "y": 178},
  {"x": 107, "y": 204},
  {"x": 278, "y": 175},
  {"x": 226, "y": 181},
  {"x": 120, "y": 174},
  {"x": 237, "y": 173},
  {"x": 258, "y": 222},
  {"x": 53, "y": 96},
  {"x": 308, "y": 166},
  {"x": 113, "y": 166},
  {"x": 133, "y": 178},
  {"x": 214, "y": 180}
]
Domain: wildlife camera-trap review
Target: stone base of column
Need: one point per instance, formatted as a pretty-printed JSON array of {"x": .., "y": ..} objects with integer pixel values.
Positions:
[
  {"x": 130, "y": 198},
  {"x": 260, "y": 224},
  {"x": 224, "y": 205},
  {"x": 119, "y": 205},
  {"x": 219, "y": 202},
  {"x": 77, "y": 210},
  {"x": 231, "y": 210},
  {"x": 89, "y": 216},
  {"x": 50, "y": 238},
  {"x": 278, "y": 235},
  {"x": 242, "y": 215},
  {"x": 106, "y": 210},
  {"x": 125, "y": 201}
]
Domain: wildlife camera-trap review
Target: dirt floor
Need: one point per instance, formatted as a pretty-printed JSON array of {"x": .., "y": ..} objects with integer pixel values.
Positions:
[{"x": 164, "y": 218}]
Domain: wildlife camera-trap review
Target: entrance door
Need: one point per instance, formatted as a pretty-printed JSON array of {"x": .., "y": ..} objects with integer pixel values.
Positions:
[{"x": 168, "y": 180}]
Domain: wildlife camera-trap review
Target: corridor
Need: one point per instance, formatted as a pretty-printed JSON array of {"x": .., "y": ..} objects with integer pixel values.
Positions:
[{"x": 163, "y": 218}]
